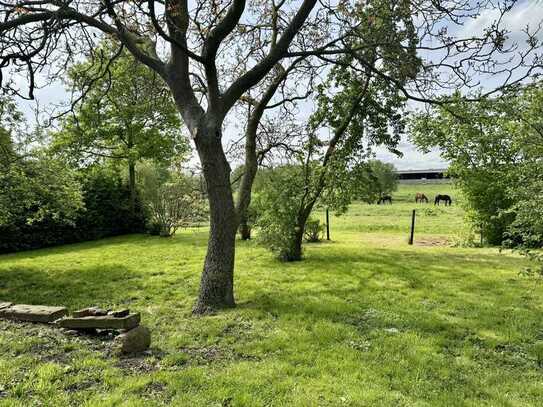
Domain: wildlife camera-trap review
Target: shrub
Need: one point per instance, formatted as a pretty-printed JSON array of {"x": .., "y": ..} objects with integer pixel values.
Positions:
[
  {"x": 154, "y": 228},
  {"x": 171, "y": 199},
  {"x": 373, "y": 179},
  {"x": 278, "y": 205},
  {"x": 105, "y": 211},
  {"x": 314, "y": 230}
]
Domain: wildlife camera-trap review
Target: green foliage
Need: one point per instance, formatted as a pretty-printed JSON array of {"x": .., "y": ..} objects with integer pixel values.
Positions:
[
  {"x": 525, "y": 232},
  {"x": 33, "y": 185},
  {"x": 352, "y": 87},
  {"x": 108, "y": 210},
  {"x": 11, "y": 123},
  {"x": 38, "y": 187},
  {"x": 494, "y": 147},
  {"x": 278, "y": 208},
  {"x": 128, "y": 114},
  {"x": 94, "y": 204},
  {"x": 283, "y": 199},
  {"x": 373, "y": 180},
  {"x": 172, "y": 199},
  {"x": 44, "y": 201},
  {"x": 313, "y": 230}
]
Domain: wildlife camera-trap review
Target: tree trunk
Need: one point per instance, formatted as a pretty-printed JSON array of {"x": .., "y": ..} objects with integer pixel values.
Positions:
[
  {"x": 132, "y": 187},
  {"x": 246, "y": 183},
  {"x": 295, "y": 250},
  {"x": 244, "y": 228},
  {"x": 244, "y": 199},
  {"x": 217, "y": 282}
]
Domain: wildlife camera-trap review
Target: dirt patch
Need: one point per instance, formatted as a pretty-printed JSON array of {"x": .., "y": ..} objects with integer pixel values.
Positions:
[
  {"x": 206, "y": 354},
  {"x": 432, "y": 242},
  {"x": 81, "y": 386},
  {"x": 153, "y": 389},
  {"x": 138, "y": 365}
]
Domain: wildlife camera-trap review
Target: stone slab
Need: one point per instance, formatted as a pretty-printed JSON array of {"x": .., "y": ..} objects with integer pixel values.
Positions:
[
  {"x": 119, "y": 313},
  {"x": 33, "y": 313},
  {"x": 89, "y": 312},
  {"x": 5, "y": 304},
  {"x": 101, "y": 322}
]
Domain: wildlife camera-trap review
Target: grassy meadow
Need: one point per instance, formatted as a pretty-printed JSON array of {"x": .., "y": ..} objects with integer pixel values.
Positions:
[{"x": 364, "y": 320}]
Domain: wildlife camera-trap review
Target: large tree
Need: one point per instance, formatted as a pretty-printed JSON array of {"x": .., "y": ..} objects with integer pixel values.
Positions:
[
  {"x": 11, "y": 130},
  {"x": 127, "y": 115},
  {"x": 211, "y": 53},
  {"x": 373, "y": 180}
]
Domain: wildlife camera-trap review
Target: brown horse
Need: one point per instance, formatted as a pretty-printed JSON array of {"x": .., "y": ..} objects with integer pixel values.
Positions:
[{"x": 420, "y": 197}]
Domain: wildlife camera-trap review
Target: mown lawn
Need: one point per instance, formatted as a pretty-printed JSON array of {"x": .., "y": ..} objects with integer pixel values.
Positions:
[{"x": 364, "y": 320}]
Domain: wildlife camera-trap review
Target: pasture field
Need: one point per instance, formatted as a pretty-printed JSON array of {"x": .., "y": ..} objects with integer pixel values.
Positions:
[
  {"x": 364, "y": 320},
  {"x": 395, "y": 219}
]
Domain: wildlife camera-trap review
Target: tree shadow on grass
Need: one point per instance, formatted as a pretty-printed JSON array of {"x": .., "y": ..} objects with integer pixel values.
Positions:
[
  {"x": 132, "y": 242},
  {"x": 426, "y": 291},
  {"x": 78, "y": 287}
]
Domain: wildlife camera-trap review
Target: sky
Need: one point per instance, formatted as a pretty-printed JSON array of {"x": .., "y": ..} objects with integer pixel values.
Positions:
[{"x": 524, "y": 12}]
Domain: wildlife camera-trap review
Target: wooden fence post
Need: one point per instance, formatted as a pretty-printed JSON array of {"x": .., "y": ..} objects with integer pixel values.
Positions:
[
  {"x": 327, "y": 225},
  {"x": 412, "y": 227}
]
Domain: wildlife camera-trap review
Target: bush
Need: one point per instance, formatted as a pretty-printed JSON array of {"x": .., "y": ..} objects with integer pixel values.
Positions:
[
  {"x": 154, "y": 228},
  {"x": 171, "y": 199},
  {"x": 107, "y": 206},
  {"x": 314, "y": 230},
  {"x": 278, "y": 205},
  {"x": 105, "y": 212}
]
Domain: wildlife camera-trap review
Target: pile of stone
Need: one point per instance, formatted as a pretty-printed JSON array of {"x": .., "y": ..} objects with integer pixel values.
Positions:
[{"x": 132, "y": 338}]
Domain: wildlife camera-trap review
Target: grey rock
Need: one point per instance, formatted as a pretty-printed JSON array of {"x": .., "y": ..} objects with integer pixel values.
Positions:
[
  {"x": 120, "y": 313},
  {"x": 5, "y": 304},
  {"x": 136, "y": 340},
  {"x": 89, "y": 312}
]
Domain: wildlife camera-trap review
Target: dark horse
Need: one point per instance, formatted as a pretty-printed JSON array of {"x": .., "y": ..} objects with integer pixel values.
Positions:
[
  {"x": 446, "y": 198},
  {"x": 420, "y": 197},
  {"x": 385, "y": 199}
]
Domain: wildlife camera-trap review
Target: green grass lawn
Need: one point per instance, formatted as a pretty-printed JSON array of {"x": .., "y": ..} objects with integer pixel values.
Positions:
[{"x": 364, "y": 320}]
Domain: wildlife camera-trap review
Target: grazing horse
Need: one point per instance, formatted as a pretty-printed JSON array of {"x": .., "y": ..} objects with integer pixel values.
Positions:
[
  {"x": 420, "y": 197},
  {"x": 446, "y": 198},
  {"x": 384, "y": 199}
]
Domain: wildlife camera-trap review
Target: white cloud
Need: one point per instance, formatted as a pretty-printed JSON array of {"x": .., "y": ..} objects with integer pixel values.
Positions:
[
  {"x": 412, "y": 158},
  {"x": 523, "y": 14}
]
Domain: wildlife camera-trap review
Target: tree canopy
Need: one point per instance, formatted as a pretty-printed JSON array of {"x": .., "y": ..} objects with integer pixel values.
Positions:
[
  {"x": 495, "y": 148},
  {"x": 128, "y": 114}
]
